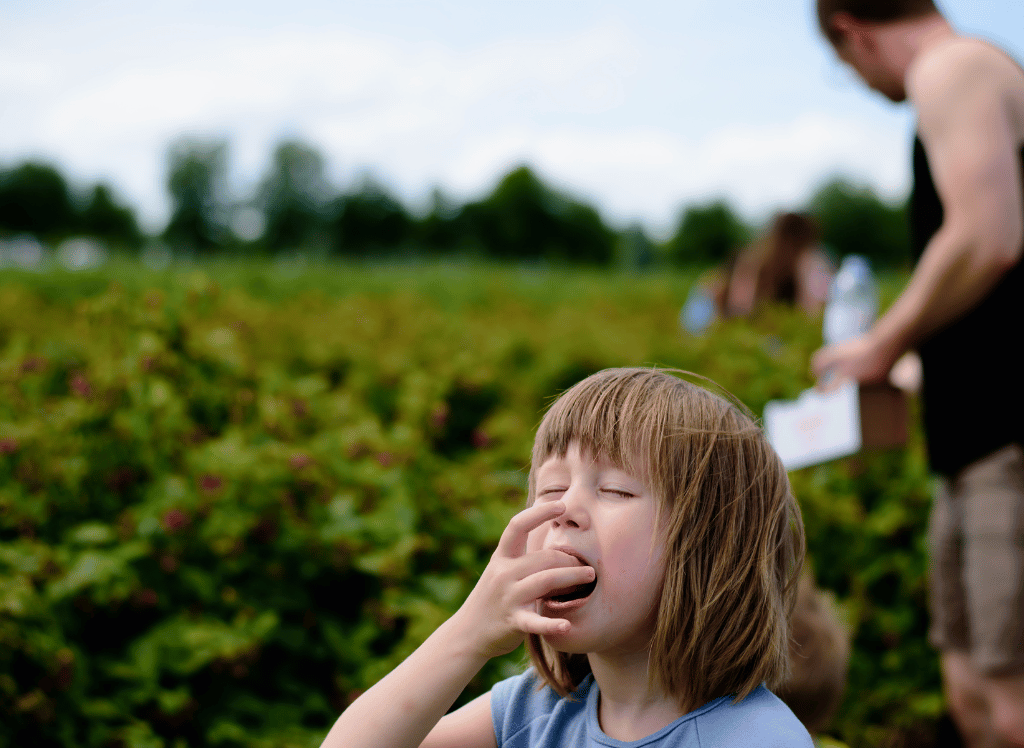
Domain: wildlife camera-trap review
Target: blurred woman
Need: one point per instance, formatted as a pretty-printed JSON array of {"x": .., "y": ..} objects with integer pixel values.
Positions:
[{"x": 786, "y": 265}]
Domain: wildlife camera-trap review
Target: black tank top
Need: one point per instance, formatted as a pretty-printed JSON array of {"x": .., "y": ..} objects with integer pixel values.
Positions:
[{"x": 973, "y": 392}]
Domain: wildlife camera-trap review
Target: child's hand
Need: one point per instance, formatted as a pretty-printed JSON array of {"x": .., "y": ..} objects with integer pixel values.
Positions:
[
  {"x": 404, "y": 706},
  {"x": 501, "y": 609}
]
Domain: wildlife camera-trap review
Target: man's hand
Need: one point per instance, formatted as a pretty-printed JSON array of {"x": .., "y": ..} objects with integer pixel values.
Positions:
[{"x": 860, "y": 359}]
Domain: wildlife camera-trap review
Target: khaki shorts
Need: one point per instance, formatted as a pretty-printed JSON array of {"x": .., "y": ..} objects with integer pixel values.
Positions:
[{"x": 976, "y": 539}]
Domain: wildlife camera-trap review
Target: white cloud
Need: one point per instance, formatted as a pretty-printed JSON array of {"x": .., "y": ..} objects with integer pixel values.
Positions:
[
  {"x": 367, "y": 100},
  {"x": 106, "y": 97},
  {"x": 648, "y": 174}
]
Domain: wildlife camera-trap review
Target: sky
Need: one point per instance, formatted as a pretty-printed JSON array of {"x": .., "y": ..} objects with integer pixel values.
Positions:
[{"x": 638, "y": 107}]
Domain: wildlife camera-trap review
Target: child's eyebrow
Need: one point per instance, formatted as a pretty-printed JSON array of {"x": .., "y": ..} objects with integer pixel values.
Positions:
[{"x": 548, "y": 467}]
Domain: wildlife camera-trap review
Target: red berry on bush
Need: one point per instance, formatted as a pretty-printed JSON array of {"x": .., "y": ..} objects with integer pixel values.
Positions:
[
  {"x": 299, "y": 460},
  {"x": 80, "y": 385},
  {"x": 439, "y": 416},
  {"x": 210, "y": 484},
  {"x": 175, "y": 520},
  {"x": 146, "y": 598},
  {"x": 32, "y": 363}
]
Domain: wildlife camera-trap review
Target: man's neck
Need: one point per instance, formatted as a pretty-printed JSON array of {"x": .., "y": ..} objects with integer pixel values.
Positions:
[{"x": 905, "y": 41}]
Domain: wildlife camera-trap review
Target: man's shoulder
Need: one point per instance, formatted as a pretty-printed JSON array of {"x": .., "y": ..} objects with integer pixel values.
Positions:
[
  {"x": 969, "y": 50},
  {"x": 965, "y": 60},
  {"x": 965, "y": 88}
]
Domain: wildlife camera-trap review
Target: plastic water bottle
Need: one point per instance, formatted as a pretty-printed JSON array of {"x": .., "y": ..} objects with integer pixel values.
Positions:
[{"x": 852, "y": 301}]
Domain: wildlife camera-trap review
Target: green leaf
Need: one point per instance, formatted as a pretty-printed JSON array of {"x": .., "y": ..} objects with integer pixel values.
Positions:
[
  {"x": 92, "y": 533},
  {"x": 93, "y": 567}
]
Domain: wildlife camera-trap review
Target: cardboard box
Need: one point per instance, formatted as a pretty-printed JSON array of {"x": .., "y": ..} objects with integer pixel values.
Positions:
[
  {"x": 884, "y": 416},
  {"x": 820, "y": 426}
]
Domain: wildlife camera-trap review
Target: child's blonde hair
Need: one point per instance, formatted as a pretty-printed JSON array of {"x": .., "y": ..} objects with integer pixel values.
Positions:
[{"x": 733, "y": 537}]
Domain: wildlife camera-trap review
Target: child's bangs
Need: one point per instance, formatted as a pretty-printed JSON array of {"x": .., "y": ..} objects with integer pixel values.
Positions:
[{"x": 618, "y": 420}]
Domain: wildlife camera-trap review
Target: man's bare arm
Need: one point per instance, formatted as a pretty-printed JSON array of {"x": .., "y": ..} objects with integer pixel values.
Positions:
[{"x": 973, "y": 152}]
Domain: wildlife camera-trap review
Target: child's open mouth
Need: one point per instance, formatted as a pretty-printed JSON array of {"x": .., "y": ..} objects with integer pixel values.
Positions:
[
  {"x": 569, "y": 598},
  {"x": 579, "y": 592}
]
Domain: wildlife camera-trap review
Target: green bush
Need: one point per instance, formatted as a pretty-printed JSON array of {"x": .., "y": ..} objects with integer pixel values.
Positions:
[{"x": 231, "y": 500}]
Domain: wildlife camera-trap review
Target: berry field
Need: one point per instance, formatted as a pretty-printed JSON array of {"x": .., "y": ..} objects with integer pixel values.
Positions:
[{"x": 234, "y": 495}]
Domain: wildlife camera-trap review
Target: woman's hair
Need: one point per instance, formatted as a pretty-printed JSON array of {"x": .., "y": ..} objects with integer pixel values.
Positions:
[
  {"x": 778, "y": 253},
  {"x": 774, "y": 268},
  {"x": 871, "y": 10},
  {"x": 733, "y": 540}
]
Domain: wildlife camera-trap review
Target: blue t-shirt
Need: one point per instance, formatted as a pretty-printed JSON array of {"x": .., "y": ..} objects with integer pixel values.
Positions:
[{"x": 527, "y": 718}]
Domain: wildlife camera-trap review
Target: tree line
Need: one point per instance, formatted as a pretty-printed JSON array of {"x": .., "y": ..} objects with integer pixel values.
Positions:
[{"x": 294, "y": 208}]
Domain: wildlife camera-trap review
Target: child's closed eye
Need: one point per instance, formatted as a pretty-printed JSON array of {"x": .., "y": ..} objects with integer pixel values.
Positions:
[
  {"x": 551, "y": 493},
  {"x": 619, "y": 492}
]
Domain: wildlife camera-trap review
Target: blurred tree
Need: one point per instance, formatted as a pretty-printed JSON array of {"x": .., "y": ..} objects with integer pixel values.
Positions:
[
  {"x": 524, "y": 220},
  {"x": 442, "y": 230},
  {"x": 199, "y": 200},
  {"x": 294, "y": 197},
  {"x": 634, "y": 250},
  {"x": 34, "y": 198},
  {"x": 369, "y": 221},
  {"x": 707, "y": 234},
  {"x": 582, "y": 236},
  {"x": 854, "y": 220},
  {"x": 103, "y": 218}
]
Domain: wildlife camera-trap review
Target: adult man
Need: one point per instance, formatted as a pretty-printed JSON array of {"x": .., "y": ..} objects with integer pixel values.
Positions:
[{"x": 961, "y": 309}]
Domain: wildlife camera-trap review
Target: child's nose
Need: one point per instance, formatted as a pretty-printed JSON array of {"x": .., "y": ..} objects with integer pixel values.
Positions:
[{"x": 575, "y": 514}]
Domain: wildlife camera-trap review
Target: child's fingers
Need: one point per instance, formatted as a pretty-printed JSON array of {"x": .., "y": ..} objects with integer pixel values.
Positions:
[
  {"x": 513, "y": 539},
  {"x": 549, "y": 558},
  {"x": 545, "y": 582},
  {"x": 532, "y": 623}
]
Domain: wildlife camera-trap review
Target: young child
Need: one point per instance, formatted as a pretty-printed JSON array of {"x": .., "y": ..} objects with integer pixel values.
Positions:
[
  {"x": 819, "y": 658},
  {"x": 653, "y": 575}
]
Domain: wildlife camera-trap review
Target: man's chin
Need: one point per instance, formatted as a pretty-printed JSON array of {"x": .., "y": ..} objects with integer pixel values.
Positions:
[{"x": 895, "y": 95}]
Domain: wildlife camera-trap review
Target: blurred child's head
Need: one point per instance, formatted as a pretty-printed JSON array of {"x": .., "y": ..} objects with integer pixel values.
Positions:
[
  {"x": 819, "y": 655},
  {"x": 731, "y": 530}
]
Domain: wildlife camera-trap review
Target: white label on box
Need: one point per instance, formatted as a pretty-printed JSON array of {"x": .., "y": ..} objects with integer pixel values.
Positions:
[{"x": 816, "y": 427}]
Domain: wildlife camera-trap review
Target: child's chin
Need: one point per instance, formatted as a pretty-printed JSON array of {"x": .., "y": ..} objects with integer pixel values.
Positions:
[{"x": 564, "y": 643}]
